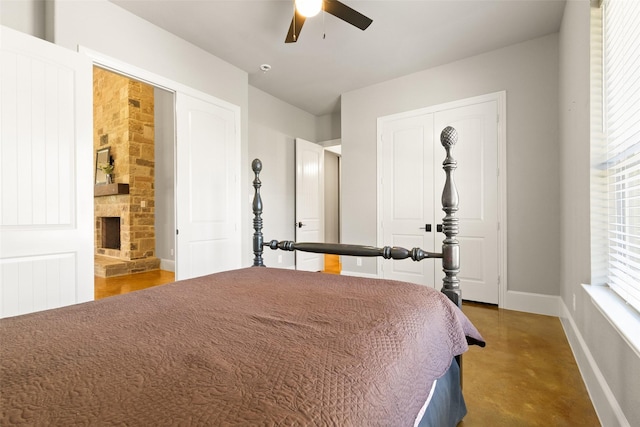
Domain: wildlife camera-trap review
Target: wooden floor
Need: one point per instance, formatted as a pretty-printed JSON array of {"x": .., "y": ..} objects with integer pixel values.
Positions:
[
  {"x": 108, "y": 287},
  {"x": 332, "y": 264},
  {"x": 525, "y": 376}
]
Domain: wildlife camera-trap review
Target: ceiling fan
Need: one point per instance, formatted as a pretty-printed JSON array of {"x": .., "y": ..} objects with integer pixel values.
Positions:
[{"x": 307, "y": 8}]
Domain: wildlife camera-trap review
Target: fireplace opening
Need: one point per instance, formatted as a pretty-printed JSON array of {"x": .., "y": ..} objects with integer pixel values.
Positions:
[{"x": 110, "y": 232}]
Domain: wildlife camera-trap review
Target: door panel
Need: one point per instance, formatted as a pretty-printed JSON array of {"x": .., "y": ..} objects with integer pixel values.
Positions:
[
  {"x": 408, "y": 200},
  {"x": 46, "y": 178},
  {"x": 309, "y": 202},
  {"x": 208, "y": 188}
]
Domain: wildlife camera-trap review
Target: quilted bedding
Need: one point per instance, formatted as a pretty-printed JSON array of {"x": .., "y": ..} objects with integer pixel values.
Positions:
[{"x": 256, "y": 346}]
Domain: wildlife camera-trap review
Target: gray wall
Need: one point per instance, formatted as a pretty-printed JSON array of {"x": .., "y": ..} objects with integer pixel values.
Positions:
[
  {"x": 618, "y": 363},
  {"x": 164, "y": 180},
  {"x": 273, "y": 127},
  {"x": 328, "y": 127},
  {"x": 529, "y": 73},
  {"x": 331, "y": 197},
  {"x": 27, "y": 16}
]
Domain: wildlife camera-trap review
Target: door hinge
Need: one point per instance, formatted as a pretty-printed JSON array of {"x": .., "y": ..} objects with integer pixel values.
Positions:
[{"x": 177, "y": 232}]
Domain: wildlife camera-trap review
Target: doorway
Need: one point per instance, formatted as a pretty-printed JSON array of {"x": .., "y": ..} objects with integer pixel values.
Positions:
[
  {"x": 134, "y": 124},
  {"x": 317, "y": 201},
  {"x": 206, "y": 173}
]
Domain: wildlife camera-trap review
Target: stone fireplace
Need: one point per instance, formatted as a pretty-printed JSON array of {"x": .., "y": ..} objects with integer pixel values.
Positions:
[
  {"x": 124, "y": 210},
  {"x": 109, "y": 232}
]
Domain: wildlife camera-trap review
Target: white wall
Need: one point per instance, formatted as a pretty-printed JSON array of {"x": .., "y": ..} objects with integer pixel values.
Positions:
[
  {"x": 529, "y": 73},
  {"x": 606, "y": 356},
  {"x": 273, "y": 127}
]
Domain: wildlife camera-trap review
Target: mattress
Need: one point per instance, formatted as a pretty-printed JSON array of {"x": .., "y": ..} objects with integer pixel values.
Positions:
[{"x": 257, "y": 346}]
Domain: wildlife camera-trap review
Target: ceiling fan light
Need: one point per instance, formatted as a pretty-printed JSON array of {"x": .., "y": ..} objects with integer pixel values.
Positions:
[{"x": 308, "y": 8}]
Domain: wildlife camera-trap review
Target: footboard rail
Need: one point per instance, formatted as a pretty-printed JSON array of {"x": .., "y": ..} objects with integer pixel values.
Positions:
[{"x": 387, "y": 252}]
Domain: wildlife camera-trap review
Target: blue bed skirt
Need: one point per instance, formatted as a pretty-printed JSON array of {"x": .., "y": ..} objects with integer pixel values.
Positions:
[{"x": 447, "y": 407}]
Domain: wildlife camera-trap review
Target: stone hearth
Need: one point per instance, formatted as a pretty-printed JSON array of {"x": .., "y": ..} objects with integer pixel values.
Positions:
[{"x": 106, "y": 266}]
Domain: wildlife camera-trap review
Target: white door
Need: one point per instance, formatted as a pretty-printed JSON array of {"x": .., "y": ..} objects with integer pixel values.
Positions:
[
  {"x": 476, "y": 179},
  {"x": 477, "y": 182},
  {"x": 46, "y": 175},
  {"x": 309, "y": 202},
  {"x": 408, "y": 202},
  {"x": 207, "y": 187}
]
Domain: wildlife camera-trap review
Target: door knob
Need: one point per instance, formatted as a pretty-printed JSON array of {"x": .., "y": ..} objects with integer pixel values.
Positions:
[
  {"x": 300, "y": 224},
  {"x": 439, "y": 228},
  {"x": 427, "y": 228}
]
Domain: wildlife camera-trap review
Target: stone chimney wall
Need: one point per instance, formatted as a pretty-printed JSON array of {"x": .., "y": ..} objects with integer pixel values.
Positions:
[{"x": 124, "y": 122}]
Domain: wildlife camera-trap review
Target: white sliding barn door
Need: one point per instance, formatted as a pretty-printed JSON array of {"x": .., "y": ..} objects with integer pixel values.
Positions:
[
  {"x": 46, "y": 175},
  {"x": 408, "y": 202},
  {"x": 309, "y": 202},
  {"x": 207, "y": 188}
]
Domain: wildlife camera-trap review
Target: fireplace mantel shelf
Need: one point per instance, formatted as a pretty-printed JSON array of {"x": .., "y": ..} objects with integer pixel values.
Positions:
[{"x": 110, "y": 189}]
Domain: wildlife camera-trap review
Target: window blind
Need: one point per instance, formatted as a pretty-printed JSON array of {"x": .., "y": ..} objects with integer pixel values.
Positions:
[{"x": 621, "y": 105}]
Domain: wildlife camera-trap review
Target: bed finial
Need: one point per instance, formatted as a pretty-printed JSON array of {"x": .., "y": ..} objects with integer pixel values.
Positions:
[
  {"x": 256, "y": 166},
  {"x": 450, "y": 245}
]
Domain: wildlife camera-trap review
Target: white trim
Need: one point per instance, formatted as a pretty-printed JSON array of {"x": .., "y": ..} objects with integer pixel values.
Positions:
[
  {"x": 501, "y": 100},
  {"x": 502, "y": 197},
  {"x": 167, "y": 265},
  {"x": 359, "y": 274},
  {"x": 624, "y": 318},
  {"x": 548, "y": 305},
  {"x": 120, "y": 67},
  {"x": 603, "y": 399}
]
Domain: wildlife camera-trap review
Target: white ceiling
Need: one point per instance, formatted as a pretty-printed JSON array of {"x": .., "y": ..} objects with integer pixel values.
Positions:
[{"x": 405, "y": 37}]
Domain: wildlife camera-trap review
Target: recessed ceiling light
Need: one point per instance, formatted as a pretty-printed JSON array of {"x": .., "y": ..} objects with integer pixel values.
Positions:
[{"x": 265, "y": 67}]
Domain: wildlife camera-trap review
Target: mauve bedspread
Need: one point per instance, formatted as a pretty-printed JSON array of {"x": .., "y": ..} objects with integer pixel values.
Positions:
[{"x": 255, "y": 346}]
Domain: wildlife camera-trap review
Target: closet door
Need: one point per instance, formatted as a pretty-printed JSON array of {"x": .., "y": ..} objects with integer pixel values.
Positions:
[
  {"x": 207, "y": 187},
  {"x": 46, "y": 176},
  {"x": 412, "y": 180},
  {"x": 477, "y": 182},
  {"x": 408, "y": 195}
]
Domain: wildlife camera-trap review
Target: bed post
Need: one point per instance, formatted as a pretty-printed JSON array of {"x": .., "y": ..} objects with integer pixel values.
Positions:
[
  {"x": 256, "y": 166},
  {"x": 450, "y": 246}
]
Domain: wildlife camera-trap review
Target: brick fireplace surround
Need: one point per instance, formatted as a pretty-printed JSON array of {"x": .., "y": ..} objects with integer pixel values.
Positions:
[{"x": 124, "y": 122}]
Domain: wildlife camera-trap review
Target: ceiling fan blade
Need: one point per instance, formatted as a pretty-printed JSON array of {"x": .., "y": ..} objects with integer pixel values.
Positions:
[
  {"x": 344, "y": 12},
  {"x": 294, "y": 29}
]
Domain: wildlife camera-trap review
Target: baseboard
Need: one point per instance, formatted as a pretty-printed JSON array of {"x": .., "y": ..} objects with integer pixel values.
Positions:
[
  {"x": 167, "y": 265},
  {"x": 548, "y": 305},
  {"x": 359, "y": 274},
  {"x": 603, "y": 399}
]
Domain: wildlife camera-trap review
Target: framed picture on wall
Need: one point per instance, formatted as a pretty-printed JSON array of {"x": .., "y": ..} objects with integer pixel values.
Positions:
[{"x": 103, "y": 165}]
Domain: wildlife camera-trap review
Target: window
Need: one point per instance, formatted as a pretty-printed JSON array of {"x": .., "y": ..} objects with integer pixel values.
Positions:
[{"x": 617, "y": 150}]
